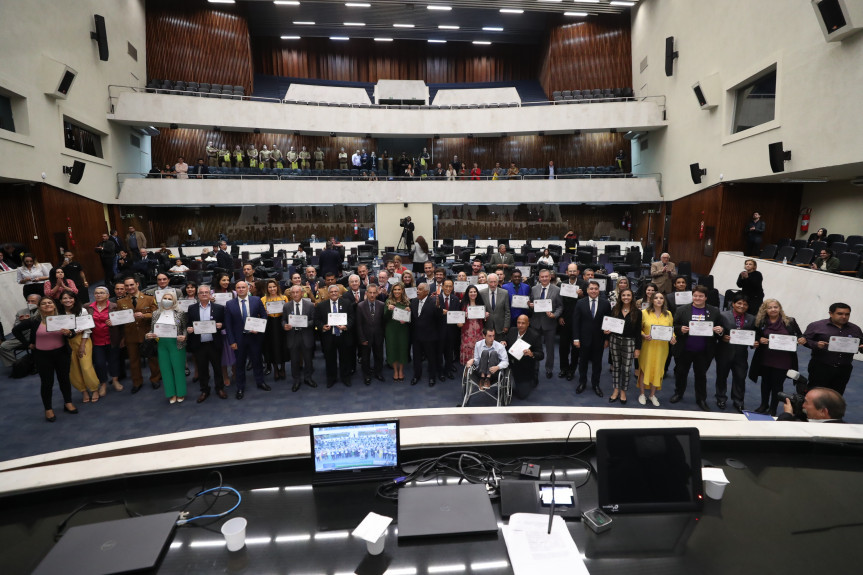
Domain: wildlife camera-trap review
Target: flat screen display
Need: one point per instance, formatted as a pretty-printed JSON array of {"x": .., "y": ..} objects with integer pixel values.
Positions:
[
  {"x": 371, "y": 445},
  {"x": 641, "y": 470}
]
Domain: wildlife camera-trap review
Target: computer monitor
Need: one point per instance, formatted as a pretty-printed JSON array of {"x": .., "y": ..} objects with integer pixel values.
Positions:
[
  {"x": 364, "y": 450},
  {"x": 649, "y": 470}
]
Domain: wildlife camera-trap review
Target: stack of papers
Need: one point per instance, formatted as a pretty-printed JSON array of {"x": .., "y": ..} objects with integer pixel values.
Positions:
[{"x": 532, "y": 550}]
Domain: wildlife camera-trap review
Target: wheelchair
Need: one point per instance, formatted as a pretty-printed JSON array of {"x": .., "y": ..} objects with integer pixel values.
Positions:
[{"x": 500, "y": 390}]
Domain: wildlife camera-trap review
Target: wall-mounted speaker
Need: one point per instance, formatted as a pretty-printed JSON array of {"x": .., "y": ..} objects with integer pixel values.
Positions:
[
  {"x": 778, "y": 157},
  {"x": 838, "y": 19},
  {"x": 101, "y": 37},
  {"x": 670, "y": 56},
  {"x": 696, "y": 172},
  {"x": 75, "y": 171},
  {"x": 57, "y": 78},
  {"x": 707, "y": 92}
]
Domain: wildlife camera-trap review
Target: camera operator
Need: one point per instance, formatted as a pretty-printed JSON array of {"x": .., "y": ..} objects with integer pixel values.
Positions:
[
  {"x": 821, "y": 404},
  {"x": 408, "y": 232}
]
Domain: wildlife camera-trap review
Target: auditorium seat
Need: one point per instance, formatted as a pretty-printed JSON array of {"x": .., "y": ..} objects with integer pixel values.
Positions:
[
  {"x": 835, "y": 238},
  {"x": 818, "y": 246},
  {"x": 849, "y": 262},
  {"x": 785, "y": 253},
  {"x": 783, "y": 242},
  {"x": 800, "y": 244},
  {"x": 854, "y": 241},
  {"x": 803, "y": 257},
  {"x": 768, "y": 252}
]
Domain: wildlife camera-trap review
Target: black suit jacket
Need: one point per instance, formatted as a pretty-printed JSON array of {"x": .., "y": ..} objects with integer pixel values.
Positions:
[
  {"x": 217, "y": 314},
  {"x": 225, "y": 261},
  {"x": 322, "y": 311},
  {"x": 587, "y": 329},
  {"x": 531, "y": 336},
  {"x": 368, "y": 329},
  {"x": 682, "y": 317},
  {"x": 426, "y": 326},
  {"x": 454, "y": 305},
  {"x": 307, "y": 334},
  {"x": 330, "y": 261}
]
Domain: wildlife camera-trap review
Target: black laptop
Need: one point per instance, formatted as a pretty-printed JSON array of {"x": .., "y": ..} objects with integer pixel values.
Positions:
[{"x": 437, "y": 511}]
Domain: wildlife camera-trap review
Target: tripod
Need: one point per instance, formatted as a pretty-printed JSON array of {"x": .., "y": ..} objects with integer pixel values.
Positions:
[{"x": 403, "y": 241}]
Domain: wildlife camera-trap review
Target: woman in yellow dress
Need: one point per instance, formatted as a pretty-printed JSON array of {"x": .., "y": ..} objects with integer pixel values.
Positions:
[{"x": 653, "y": 352}]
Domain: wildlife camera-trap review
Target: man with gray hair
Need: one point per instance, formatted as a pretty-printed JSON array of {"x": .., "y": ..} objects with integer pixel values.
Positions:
[
  {"x": 300, "y": 339},
  {"x": 662, "y": 273}
]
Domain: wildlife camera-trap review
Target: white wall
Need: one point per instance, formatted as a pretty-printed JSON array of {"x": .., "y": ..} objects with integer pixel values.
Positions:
[
  {"x": 34, "y": 33},
  {"x": 837, "y": 206},
  {"x": 818, "y": 106}
]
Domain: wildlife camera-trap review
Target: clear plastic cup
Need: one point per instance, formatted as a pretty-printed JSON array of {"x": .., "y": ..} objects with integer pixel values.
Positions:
[
  {"x": 377, "y": 547},
  {"x": 234, "y": 531}
]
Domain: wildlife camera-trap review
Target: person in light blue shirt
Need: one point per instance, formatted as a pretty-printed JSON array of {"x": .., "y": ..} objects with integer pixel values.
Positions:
[{"x": 489, "y": 357}]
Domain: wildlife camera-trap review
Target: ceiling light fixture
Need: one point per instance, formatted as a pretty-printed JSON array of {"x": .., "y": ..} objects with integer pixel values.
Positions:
[
  {"x": 558, "y": 1},
  {"x": 221, "y": 1},
  {"x": 303, "y": 23},
  {"x": 439, "y": 7},
  {"x": 286, "y": 2},
  {"x": 576, "y": 14},
  {"x": 355, "y": 24},
  {"x": 431, "y": 41},
  {"x": 447, "y": 27},
  {"x": 482, "y": 42},
  {"x": 357, "y": 5},
  {"x": 403, "y": 25},
  {"x": 341, "y": 38},
  {"x": 383, "y": 39},
  {"x": 290, "y": 37},
  {"x": 621, "y": 3},
  {"x": 492, "y": 29},
  {"x": 511, "y": 11},
  {"x": 586, "y": 1}
]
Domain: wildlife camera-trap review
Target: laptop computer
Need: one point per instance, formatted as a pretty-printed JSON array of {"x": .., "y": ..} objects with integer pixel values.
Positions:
[
  {"x": 122, "y": 546},
  {"x": 445, "y": 510},
  {"x": 355, "y": 451}
]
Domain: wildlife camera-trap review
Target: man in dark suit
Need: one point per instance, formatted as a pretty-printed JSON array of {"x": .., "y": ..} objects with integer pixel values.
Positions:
[
  {"x": 427, "y": 277},
  {"x": 497, "y": 314},
  {"x": 545, "y": 322},
  {"x": 330, "y": 260},
  {"x": 207, "y": 347},
  {"x": 587, "y": 335},
  {"x": 370, "y": 333},
  {"x": 549, "y": 172},
  {"x": 224, "y": 259},
  {"x": 733, "y": 358},
  {"x": 353, "y": 296},
  {"x": 199, "y": 170},
  {"x": 425, "y": 324},
  {"x": 525, "y": 371},
  {"x": 568, "y": 352},
  {"x": 300, "y": 340},
  {"x": 450, "y": 334},
  {"x": 335, "y": 339},
  {"x": 694, "y": 351},
  {"x": 246, "y": 345}
]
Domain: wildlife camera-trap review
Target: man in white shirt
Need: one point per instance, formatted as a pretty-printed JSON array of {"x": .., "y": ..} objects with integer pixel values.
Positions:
[
  {"x": 356, "y": 160},
  {"x": 207, "y": 347},
  {"x": 489, "y": 357}
]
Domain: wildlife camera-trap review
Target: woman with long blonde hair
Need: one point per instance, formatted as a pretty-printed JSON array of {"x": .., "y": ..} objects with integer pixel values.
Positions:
[{"x": 772, "y": 364}]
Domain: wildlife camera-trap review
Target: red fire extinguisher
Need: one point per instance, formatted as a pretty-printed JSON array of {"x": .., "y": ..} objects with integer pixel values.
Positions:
[
  {"x": 356, "y": 228},
  {"x": 804, "y": 221},
  {"x": 701, "y": 228}
]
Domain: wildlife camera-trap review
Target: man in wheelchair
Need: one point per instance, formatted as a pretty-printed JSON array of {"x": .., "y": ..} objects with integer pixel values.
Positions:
[{"x": 489, "y": 357}]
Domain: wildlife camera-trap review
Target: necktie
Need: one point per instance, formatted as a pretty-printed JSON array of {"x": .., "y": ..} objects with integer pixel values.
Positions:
[
  {"x": 357, "y": 296},
  {"x": 134, "y": 302},
  {"x": 336, "y": 330},
  {"x": 542, "y": 296},
  {"x": 372, "y": 309},
  {"x": 446, "y": 302},
  {"x": 492, "y": 300},
  {"x": 245, "y": 311},
  {"x": 5, "y": 267},
  {"x": 420, "y": 307},
  {"x": 593, "y": 307},
  {"x": 296, "y": 308}
]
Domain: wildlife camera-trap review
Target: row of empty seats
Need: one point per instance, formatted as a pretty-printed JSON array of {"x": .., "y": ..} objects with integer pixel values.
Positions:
[
  {"x": 594, "y": 95},
  {"x": 203, "y": 89}
]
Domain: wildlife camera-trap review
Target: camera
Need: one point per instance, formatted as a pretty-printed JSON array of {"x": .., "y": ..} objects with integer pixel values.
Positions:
[
  {"x": 404, "y": 222},
  {"x": 801, "y": 385}
]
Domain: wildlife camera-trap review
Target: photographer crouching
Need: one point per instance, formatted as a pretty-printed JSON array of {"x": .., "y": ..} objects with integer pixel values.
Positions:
[{"x": 819, "y": 404}]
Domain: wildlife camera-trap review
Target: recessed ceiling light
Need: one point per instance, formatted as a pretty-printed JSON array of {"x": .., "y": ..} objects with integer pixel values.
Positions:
[
  {"x": 587, "y": 1},
  {"x": 357, "y": 5},
  {"x": 355, "y": 24},
  {"x": 492, "y": 29},
  {"x": 403, "y": 25},
  {"x": 339, "y": 38},
  {"x": 482, "y": 42},
  {"x": 286, "y": 2},
  {"x": 580, "y": 14},
  {"x": 383, "y": 39},
  {"x": 303, "y": 23},
  {"x": 550, "y": 1},
  {"x": 290, "y": 37},
  {"x": 220, "y": 1},
  {"x": 439, "y": 7},
  {"x": 620, "y": 3},
  {"x": 430, "y": 41},
  {"x": 511, "y": 11},
  {"x": 447, "y": 27}
]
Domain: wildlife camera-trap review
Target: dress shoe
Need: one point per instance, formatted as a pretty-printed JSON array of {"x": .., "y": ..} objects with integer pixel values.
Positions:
[
  {"x": 249, "y": 365},
  {"x": 73, "y": 411},
  {"x": 379, "y": 377},
  {"x": 136, "y": 389},
  {"x": 296, "y": 386},
  {"x": 311, "y": 383},
  {"x": 441, "y": 377},
  {"x": 622, "y": 402},
  {"x": 156, "y": 384},
  {"x": 703, "y": 405},
  {"x": 222, "y": 395},
  {"x": 264, "y": 387},
  {"x": 268, "y": 371},
  {"x": 330, "y": 384},
  {"x": 450, "y": 375},
  {"x": 202, "y": 398},
  {"x": 414, "y": 381},
  {"x": 240, "y": 394},
  {"x": 570, "y": 376},
  {"x": 561, "y": 375},
  {"x": 761, "y": 408},
  {"x": 612, "y": 399},
  {"x": 548, "y": 374},
  {"x": 181, "y": 399},
  {"x": 597, "y": 391},
  {"x": 347, "y": 382},
  {"x": 367, "y": 381},
  {"x": 195, "y": 379},
  {"x": 675, "y": 398},
  {"x": 738, "y": 407},
  {"x": 580, "y": 388},
  {"x": 432, "y": 382},
  {"x": 50, "y": 418},
  {"x": 721, "y": 404}
]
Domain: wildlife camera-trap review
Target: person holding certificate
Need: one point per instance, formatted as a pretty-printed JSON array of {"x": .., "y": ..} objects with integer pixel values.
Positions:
[
  {"x": 732, "y": 356},
  {"x": 298, "y": 322},
  {"x": 204, "y": 340},
  {"x": 450, "y": 336},
  {"x": 525, "y": 370},
  {"x": 274, "y": 337},
  {"x": 768, "y": 362},
  {"x": 169, "y": 329},
  {"x": 369, "y": 314},
  {"x": 694, "y": 351},
  {"x": 471, "y": 329},
  {"x": 831, "y": 362},
  {"x": 142, "y": 307},
  {"x": 425, "y": 322},
  {"x": 625, "y": 345},
  {"x": 545, "y": 322},
  {"x": 81, "y": 373},
  {"x": 106, "y": 341},
  {"x": 221, "y": 284},
  {"x": 569, "y": 293},
  {"x": 654, "y": 350},
  {"x": 51, "y": 354},
  {"x": 244, "y": 343},
  {"x": 335, "y": 337},
  {"x": 396, "y": 332},
  {"x": 587, "y": 336}
]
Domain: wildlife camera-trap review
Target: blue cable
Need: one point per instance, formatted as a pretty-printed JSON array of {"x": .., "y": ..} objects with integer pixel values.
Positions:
[{"x": 231, "y": 510}]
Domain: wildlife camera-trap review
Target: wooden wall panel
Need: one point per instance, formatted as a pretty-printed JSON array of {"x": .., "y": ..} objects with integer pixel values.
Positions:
[
  {"x": 197, "y": 42},
  {"x": 364, "y": 60},
  {"x": 596, "y": 53},
  {"x": 686, "y": 216},
  {"x": 592, "y": 149}
]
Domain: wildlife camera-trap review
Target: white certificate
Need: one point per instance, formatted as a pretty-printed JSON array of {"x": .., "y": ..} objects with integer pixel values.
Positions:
[
  {"x": 472, "y": 279},
  {"x": 682, "y": 297},
  {"x": 460, "y": 287},
  {"x": 569, "y": 290},
  {"x": 394, "y": 280},
  {"x": 482, "y": 287},
  {"x": 542, "y": 305},
  {"x": 298, "y": 320},
  {"x": 122, "y": 316},
  {"x": 453, "y": 317},
  {"x": 520, "y": 301},
  {"x": 518, "y": 348},
  {"x": 742, "y": 337},
  {"x": 166, "y": 317},
  {"x": 83, "y": 322},
  {"x": 223, "y": 298},
  {"x": 844, "y": 344},
  {"x": 337, "y": 319},
  {"x": 185, "y": 304},
  {"x": 701, "y": 328},
  {"x": 602, "y": 283},
  {"x": 613, "y": 324},
  {"x": 161, "y": 292},
  {"x": 257, "y": 324},
  {"x": 661, "y": 332},
  {"x": 165, "y": 330},
  {"x": 411, "y": 293},
  {"x": 783, "y": 342},
  {"x": 525, "y": 271},
  {"x": 274, "y": 307},
  {"x": 645, "y": 305},
  {"x": 58, "y": 322},
  {"x": 476, "y": 312},
  {"x": 200, "y": 327},
  {"x": 400, "y": 314}
]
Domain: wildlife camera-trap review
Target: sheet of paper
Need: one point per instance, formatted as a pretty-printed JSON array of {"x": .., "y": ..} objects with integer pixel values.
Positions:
[
  {"x": 394, "y": 280},
  {"x": 603, "y": 283},
  {"x": 542, "y": 305},
  {"x": 843, "y": 344},
  {"x": 298, "y": 321},
  {"x": 59, "y": 322},
  {"x": 472, "y": 279},
  {"x": 716, "y": 474},
  {"x": 661, "y": 332},
  {"x": 122, "y": 316},
  {"x": 372, "y": 527},
  {"x": 411, "y": 292},
  {"x": 165, "y": 330},
  {"x": 482, "y": 287},
  {"x": 782, "y": 342},
  {"x": 460, "y": 287},
  {"x": 400, "y": 314},
  {"x": 569, "y": 290},
  {"x": 682, "y": 297},
  {"x": 200, "y": 327},
  {"x": 257, "y": 324},
  {"x": 742, "y": 337},
  {"x": 476, "y": 312},
  {"x": 701, "y": 328},
  {"x": 160, "y": 292},
  {"x": 532, "y": 550},
  {"x": 518, "y": 348},
  {"x": 525, "y": 271},
  {"x": 166, "y": 317},
  {"x": 275, "y": 307},
  {"x": 613, "y": 324},
  {"x": 83, "y": 322},
  {"x": 223, "y": 298},
  {"x": 453, "y": 317},
  {"x": 520, "y": 301},
  {"x": 337, "y": 319},
  {"x": 185, "y": 304}
]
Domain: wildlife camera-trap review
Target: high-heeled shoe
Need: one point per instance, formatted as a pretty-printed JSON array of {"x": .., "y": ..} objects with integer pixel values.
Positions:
[
  {"x": 73, "y": 411},
  {"x": 50, "y": 418}
]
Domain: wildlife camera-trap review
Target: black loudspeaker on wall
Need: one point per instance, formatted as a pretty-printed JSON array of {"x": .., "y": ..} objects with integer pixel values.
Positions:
[
  {"x": 76, "y": 171},
  {"x": 101, "y": 37},
  {"x": 670, "y": 56},
  {"x": 696, "y": 172},
  {"x": 778, "y": 157}
]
